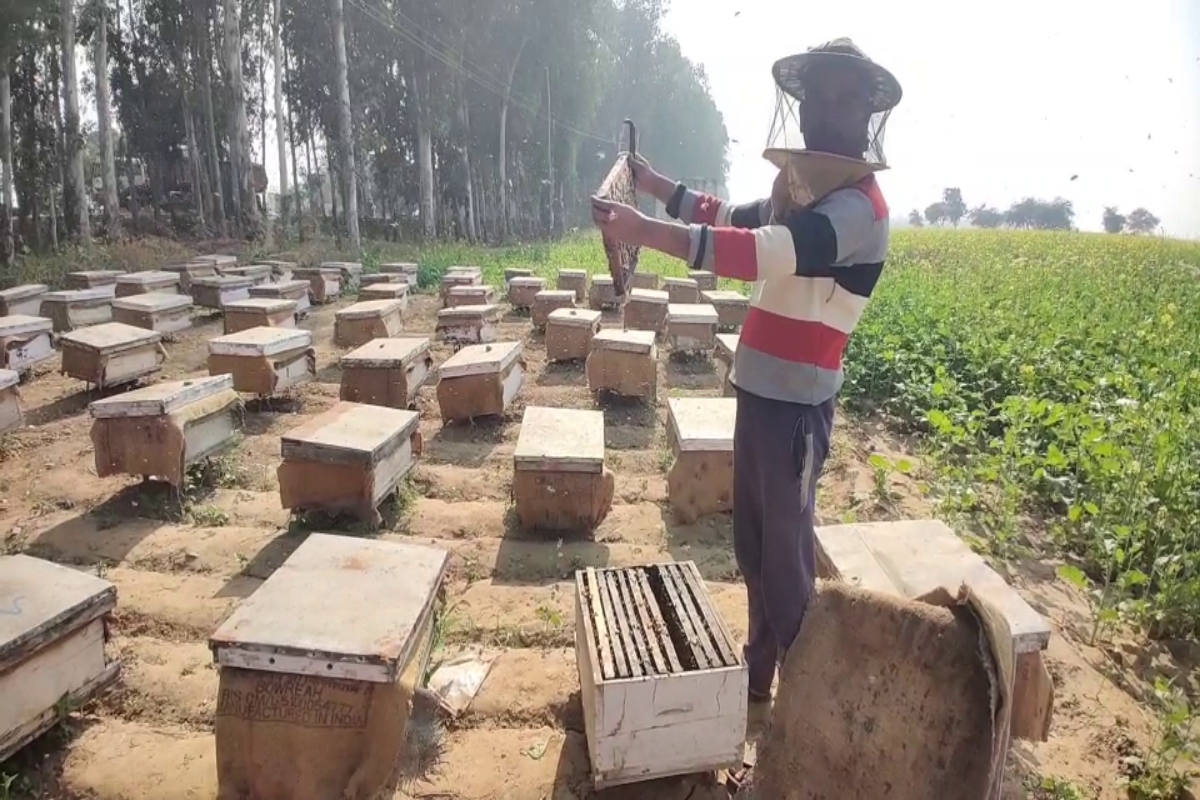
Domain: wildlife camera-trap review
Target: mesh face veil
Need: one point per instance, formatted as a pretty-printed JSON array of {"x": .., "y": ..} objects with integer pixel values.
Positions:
[{"x": 786, "y": 133}]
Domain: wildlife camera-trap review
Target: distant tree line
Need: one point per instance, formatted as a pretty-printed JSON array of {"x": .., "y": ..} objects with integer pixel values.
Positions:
[
  {"x": 1029, "y": 214},
  {"x": 1137, "y": 221}
]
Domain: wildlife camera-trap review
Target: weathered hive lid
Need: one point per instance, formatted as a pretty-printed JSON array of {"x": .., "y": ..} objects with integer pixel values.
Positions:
[
  {"x": 340, "y": 265},
  {"x": 703, "y": 423},
  {"x": 384, "y": 290},
  {"x": 263, "y": 305},
  {"x": 270, "y": 262},
  {"x": 724, "y": 296},
  {"x": 149, "y": 276},
  {"x": 277, "y": 288},
  {"x": 161, "y": 398},
  {"x": 20, "y": 325},
  {"x": 260, "y": 341},
  {"x": 460, "y": 270},
  {"x": 370, "y": 309},
  {"x": 679, "y": 282},
  {"x": 575, "y": 317},
  {"x": 109, "y": 337},
  {"x": 560, "y": 440},
  {"x": 460, "y": 278},
  {"x": 9, "y": 378},
  {"x": 556, "y": 294},
  {"x": 350, "y": 433},
  {"x": 355, "y": 604},
  {"x": 386, "y": 352},
  {"x": 650, "y": 296},
  {"x": 153, "y": 301},
  {"x": 312, "y": 272},
  {"x": 700, "y": 313},
  {"x": 727, "y": 343},
  {"x": 573, "y": 273},
  {"x": 398, "y": 266},
  {"x": 641, "y": 342},
  {"x": 23, "y": 292},
  {"x": 45, "y": 601},
  {"x": 527, "y": 281},
  {"x": 94, "y": 296},
  {"x": 218, "y": 259},
  {"x": 224, "y": 281},
  {"x": 481, "y": 359},
  {"x": 698, "y": 274},
  {"x": 253, "y": 270},
  {"x": 487, "y": 311},
  {"x": 100, "y": 276},
  {"x": 471, "y": 290},
  {"x": 602, "y": 280},
  {"x": 190, "y": 267}
]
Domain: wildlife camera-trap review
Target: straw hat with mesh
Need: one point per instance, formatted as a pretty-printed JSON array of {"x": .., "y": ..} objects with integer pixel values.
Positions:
[{"x": 790, "y": 72}]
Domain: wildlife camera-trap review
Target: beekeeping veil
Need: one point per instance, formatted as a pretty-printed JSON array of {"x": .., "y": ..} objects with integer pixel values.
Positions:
[{"x": 806, "y": 174}]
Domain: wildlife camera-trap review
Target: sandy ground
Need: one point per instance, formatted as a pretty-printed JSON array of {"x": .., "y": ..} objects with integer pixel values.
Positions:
[{"x": 151, "y": 737}]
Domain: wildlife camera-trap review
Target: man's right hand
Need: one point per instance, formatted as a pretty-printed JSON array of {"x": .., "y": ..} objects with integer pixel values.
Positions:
[{"x": 648, "y": 181}]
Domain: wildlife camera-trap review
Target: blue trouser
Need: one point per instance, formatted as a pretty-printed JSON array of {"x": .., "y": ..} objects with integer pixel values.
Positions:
[{"x": 778, "y": 451}]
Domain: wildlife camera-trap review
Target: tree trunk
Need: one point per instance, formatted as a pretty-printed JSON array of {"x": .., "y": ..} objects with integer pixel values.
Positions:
[
  {"x": 204, "y": 56},
  {"x": 506, "y": 220},
  {"x": 72, "y": 136},
  {"x": 334, "y": 190},
  {"x": 108, "y": 167},
  {"x": 6, "y": 169},
  {"x": 345, "y": 129},
  {"x": 425, "y": 154},
  {"x": 308, "y": 179},
  {"x": 284, "y": 198},
  {"x": 244, "y": 207},
  {"x": 197, "y": 172}
]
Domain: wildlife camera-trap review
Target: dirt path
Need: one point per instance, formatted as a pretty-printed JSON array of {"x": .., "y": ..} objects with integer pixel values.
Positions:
[{"x": 151, "y": 738}]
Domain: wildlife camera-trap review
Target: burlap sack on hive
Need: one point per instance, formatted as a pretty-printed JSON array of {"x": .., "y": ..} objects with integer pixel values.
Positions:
[{"x": 885, "y": 697}]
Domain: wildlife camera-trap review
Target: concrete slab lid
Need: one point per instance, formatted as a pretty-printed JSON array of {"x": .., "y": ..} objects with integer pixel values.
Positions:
[
  {"x": 656, "y": 296},
  {"x": 471, "y": 290},
  {"x": 470, "y": 312},
  {"x": 481, "y": 359},
  {"x": 149, "y": 276},
  {"x": 461, "y": 278},
  {"x": 342, "y": 599},
  {"x": 369, "y": 309},
  {"x": 349, "y": 433},
  {"x": 697, "y": 274},
  {"x": 390, "y": 291},
  {"x": 78, "y": 296},
  {"x": 399, "y": 266},
  {"x": 260, "y": 341},
  {"x": 465, "y": 270},
  {"x": 680, "y": 282},
  {"x": 263, "y": 305},
  {"x": 703, "y": 424},
  {"x": 250, "y": 269},
  {"x": 698, "y": 313},
  {"x": 276, "y": 288},
  {"x": 224, "y": 281},
  {"x": 342, "y": 264},
  {"x": 560, "y": 440},
  {"x": 190, "y": 267},
  {"x": 161, "y": 398},
  {"x": 555, "y": 294},
  {"x": 46, "y": 596},
  {"x": 386, "y": 352},
  {"x": 727, "y": 344},
  {"x": 527, "y": 281},
  {"x": 575, "y": 317},
  {"x": 24, "y": 291},
  {"x": 152, "y": 301},
  {"x": 270, "y": 262},
  {"x": 9, "y": 378},
  {"x": 312, "y": 272},
  {"x": 641, "y": 342},
  {"x": 110, "y": 337},
  {"x": 717, "y": 296},
  {"x": 104, "y": 276},
  {"x": 602, "y": 280},
  {"x": 218, "y": 259},
  {"x": 573, "y": 273},
  {"x": 21, "y": 325}
]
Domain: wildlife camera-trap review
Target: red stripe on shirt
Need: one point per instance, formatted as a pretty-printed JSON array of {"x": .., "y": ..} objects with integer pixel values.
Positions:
[
  {"x": 799, "y": 341},
  {"x": 705, "y": 209},
  {"x": 734, "y": 253},
  {"x": 870, "y": 187}
]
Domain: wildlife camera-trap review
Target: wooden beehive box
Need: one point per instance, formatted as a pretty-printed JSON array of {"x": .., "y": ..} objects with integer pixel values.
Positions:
[
  {"x": 295, "y": 290},
  {"x": 705, "y": 281},
  {"x": 78, "y": 308},
  {"x": 386, "y": 291},
  {"x": 348, "y": 459},
  {"x": 52, "y": 634},
  {"x": 280, "y": 270},
  {"x": 149, "y": 282},
  {"x": 351, "y": 272},
  {"x": 381, "y": 277},
  {"x": 460, "y": 276},
  {"x": 691, "y": 327},
  {"x": 516, "y": 272},
  {"x": 645, "y": 280},
  {"x": 386, "y": 372},
  {"x": 624, "y": 363},
  {"x": 407, "y": 269},
  {"x": 569, "y": 333},
  {"x": 575, "y": 280},
  {"x": 480, "y": 380},
  {"x": 105, "y": 279},
  {"x": 682, "y": 290},
  {"x": 726, "y": 346},
  {"x": 523, "y": 290},
  {"x": 161, "y": 430},
  {"x": 546, "y": 302},
  {"x": 700, "y": 435},
  {"x": 664, "y": 689},
  {"x": 11, "y": 416},
  {"x": 215, "y": 292},
  {"x": 474, "y": 295},
  {"x": 370, "y": 319},
  {"x": 190, "y": 271},
  {"x": 23, "y": 301},
  {"x": 257, "y": 273},
  {"x": 731, "y": 308},
  {"x": 559, "y": 478},
  {"x": 259, "y": 312},
  {"x": 468, "y": 324},
  {"x": 645, "y": 310},
  {"x": 25, "y": 342},
  {"x": 603, "y": 294},
  {"x": 111, "y": 354},
  {"x": 325, "y": 284},
  {"x": 219, "y": 261},
  {"x": 264, "y": 361},
  {"x": 165, "y": 313}
]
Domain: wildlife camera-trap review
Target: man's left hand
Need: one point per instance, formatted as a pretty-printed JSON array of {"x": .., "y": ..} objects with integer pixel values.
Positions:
[{"x": 618, "y": 221}]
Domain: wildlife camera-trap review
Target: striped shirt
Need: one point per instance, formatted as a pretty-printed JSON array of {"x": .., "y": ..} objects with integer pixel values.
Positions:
[{"x": 812, "y": 276}]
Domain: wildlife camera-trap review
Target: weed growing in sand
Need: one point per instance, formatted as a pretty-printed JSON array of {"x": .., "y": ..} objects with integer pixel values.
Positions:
[
  {"x": 1046, "y": 788},
  {"x": 1166, "y": 772}
]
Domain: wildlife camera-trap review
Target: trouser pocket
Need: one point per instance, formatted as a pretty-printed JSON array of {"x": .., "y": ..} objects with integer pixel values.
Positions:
[{"x": 802, "y": 458}]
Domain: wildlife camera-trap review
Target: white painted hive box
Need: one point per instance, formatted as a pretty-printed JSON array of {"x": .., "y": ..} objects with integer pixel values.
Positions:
[
  {"x": 464, "y": 325},
  {"x": 11, "y": 416},
  {"x": 24, "y": 300},
  {"x": 480, "y": 380},
  {"x": 691, "y": 327},
  {"x": 111, "y": 354},
  {"x": 294, "y": 290},
  {"x": 255, "y": 312},
  {"x": 51, "y": 644},
  {"x": 134, "y": 283},
  {"x": 165, "y": 313},
  {"x": 664, "y": 689},
  {"x": 217, "y": 291},
  {"x": 366, "y": 320},
  {"x": 78, "y": 308},
  {"x": 351, "y": 272},
  {"x": 264, "y": 361},
  {"x": 386, "y": 372},
  {"x": 25, "y": 341}
]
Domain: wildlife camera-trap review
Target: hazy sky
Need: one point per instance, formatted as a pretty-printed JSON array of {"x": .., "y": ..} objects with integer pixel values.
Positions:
[{"x": 1003, "y": 103}]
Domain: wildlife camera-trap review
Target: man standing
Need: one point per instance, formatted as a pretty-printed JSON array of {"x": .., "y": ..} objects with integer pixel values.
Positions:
[{"x": 813, "y": 262}]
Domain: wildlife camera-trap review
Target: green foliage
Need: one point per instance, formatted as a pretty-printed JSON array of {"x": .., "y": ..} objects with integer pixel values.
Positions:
[
  {"x": 1055, "y": 375},
  {"x": 1166, "y": 771}
]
